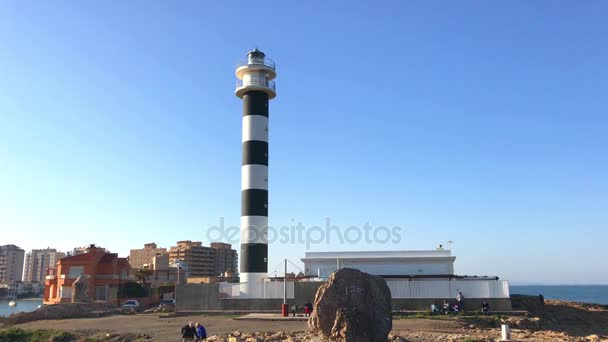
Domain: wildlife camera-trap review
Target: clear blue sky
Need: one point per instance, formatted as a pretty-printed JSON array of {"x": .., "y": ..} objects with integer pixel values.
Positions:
[{"x": 479, "y": 122}]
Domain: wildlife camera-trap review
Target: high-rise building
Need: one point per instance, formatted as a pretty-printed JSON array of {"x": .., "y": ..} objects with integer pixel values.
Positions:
[
  {"x": 138, "y": 258},
  {"x": 11, "y": 263},
  {"x": 205, "y": 261},
  {"x": 226, "y": 260},
  {"x": 38, "y": 261}
]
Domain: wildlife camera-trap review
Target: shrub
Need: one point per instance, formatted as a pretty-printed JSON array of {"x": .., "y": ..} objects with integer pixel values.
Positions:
[{"x": 21, "y": 335}]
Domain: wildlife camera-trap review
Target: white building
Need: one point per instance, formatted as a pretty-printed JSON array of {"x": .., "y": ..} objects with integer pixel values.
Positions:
[
  {"x": 389, "y": 264},
  {"x": 14, "y": 289},
  {"x": 425, "y": 275}
]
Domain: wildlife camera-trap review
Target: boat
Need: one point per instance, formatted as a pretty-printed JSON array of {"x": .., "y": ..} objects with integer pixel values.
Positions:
[{"x": 12, "y": 303}]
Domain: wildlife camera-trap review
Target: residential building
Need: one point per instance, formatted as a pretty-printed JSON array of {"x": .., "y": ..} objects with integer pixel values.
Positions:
[
  {"x": 226, "y": 259},
  {"x": 38, "y": 261},
  {"x": 11, "y": 263},
  {"x": 165, "y": 274},
  {"x": 205, "y": 261},
  {"x": 20, "y": 288},
  {"x": 84, "y": 249},
  {"x": 104, "y": 271},
  {"x": 139, "y": 258}
]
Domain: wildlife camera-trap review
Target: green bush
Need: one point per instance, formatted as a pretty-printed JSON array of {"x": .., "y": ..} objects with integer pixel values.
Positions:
[
  {"x": 133, "y": 290},
  {"x": 21, "y": 335}
]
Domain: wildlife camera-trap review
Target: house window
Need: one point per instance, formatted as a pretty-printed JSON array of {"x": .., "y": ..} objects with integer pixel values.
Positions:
[
  {"x": 66, "y": 292},
  {"x": 76, "y": 271},
  {"x": 101, "y": 293}
]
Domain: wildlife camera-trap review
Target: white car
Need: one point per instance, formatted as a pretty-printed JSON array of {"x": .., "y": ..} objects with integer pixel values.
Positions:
[{"x": 130, "y": 304}]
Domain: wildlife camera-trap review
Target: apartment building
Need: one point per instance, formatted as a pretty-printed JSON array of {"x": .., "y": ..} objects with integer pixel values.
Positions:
[
  {"x": 38, "y": 261},
  {"x": 138, "y": 258},
  {"x": 205, "y": 261},
  {"x": 11, "y": 263}
]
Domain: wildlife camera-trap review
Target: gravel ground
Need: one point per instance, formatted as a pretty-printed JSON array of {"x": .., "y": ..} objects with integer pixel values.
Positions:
[{"x": 168, "y": 329}]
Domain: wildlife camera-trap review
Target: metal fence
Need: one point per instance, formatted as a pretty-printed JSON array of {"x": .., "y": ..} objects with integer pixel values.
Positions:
[
  {"x": 270, "y": 289},
  {"x": 448, "y": 288}
]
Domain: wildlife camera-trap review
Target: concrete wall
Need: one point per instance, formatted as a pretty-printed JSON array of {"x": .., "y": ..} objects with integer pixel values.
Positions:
[
  {"x": 470, "y": 304},
  {"x": 202, "y": 297},
  {"x": 417, "y": 266}
]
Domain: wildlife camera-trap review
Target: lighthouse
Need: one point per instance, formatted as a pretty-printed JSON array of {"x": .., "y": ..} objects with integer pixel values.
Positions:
[{"x": 255, "y": 86}]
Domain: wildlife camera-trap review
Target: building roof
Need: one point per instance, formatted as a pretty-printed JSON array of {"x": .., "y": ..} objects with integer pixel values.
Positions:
[
  {"x": 438, "y": 253},
  {"x": 79, "y": 257},
  {"x": 108, "y": 258}
]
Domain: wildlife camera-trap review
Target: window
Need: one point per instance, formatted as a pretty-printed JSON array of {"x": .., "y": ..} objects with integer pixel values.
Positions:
[
  {"x": 101, "y": 292},
  {"x": 76, "y": 271},
  {"x": 66, "y": 292}
]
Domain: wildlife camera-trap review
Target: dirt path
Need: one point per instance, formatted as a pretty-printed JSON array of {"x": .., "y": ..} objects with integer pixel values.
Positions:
[{"x": 167, "y": 329}]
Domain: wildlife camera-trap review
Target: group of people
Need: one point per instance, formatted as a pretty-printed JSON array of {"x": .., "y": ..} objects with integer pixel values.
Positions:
[
  {"x": 194, "y": 332},
  {"x": 448, "y": 308},
  {"x": 457, "y": 307},
  {"x": 307, "y": 309}
]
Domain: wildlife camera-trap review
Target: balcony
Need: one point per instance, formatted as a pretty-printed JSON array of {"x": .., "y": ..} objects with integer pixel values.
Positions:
[
  {"x": 263, "y": 85},
  {"x": 266, "y": 65},
  {"x": 266, "y": 62}
]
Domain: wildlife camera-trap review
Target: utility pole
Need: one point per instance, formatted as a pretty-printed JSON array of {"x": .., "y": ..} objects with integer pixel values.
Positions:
[
  {"x": 284, "y": 307},
  {"x": 285, "y": 284}
]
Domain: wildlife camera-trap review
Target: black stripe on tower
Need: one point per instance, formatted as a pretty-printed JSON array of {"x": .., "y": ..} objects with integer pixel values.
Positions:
[
  {"x": 255, "y": 102},
  {"x": 253, "y": 258},
  {"x": 255, "y": 152},
  {"x": 254, "y": 202}
]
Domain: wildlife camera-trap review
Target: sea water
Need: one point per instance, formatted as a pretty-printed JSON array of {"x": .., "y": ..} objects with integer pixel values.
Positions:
[
  {"x": 597, "y": 294},
  {"x": 23, "y": 305}
]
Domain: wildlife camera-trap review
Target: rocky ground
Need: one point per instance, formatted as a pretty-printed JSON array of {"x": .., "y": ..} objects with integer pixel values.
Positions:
[{"x": 557, "y": 321}]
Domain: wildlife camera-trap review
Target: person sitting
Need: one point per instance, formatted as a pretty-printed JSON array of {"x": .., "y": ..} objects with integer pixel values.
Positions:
[
  {"x": 446, "y": 307},
  {"x": 434, "y": 309},
  {"x": 456, "y": 308},
  {"x": 485, "y": 308}
]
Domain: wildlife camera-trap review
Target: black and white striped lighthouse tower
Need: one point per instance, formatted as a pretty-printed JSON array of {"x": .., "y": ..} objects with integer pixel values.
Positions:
[{"x": 256, "y": 88}]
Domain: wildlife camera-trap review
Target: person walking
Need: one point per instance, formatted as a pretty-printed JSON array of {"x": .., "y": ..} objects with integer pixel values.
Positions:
[
  {"x": 307, "y": 308},
  {"x": 188, "y": 332},
  {"x": 201, "y": 333}
]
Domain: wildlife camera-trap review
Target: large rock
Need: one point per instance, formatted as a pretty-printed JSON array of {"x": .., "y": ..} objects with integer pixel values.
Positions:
[
  {"x": 80, "y": 289},
  {"x": 352, "y": 306}
]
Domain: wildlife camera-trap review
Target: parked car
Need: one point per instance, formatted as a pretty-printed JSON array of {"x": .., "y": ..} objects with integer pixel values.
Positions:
[
  {"x": 166, "y": 305},
  {"x": 131, "y": 305},
  {"x": 167, "y": 302}
]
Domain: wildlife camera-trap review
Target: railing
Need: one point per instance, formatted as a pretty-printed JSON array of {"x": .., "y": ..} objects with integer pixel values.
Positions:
[
  {"x": 270, "y": 289},
  {"x": 267, "y": 62},
  {"x": 448, "y": 288},
  {"x": 267, "y": 84}
]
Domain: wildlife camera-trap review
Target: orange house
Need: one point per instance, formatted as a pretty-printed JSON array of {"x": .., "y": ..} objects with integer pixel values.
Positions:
[{"x": 104, "y": 271}]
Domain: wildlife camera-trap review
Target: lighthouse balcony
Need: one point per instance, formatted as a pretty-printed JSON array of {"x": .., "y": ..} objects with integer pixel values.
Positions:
[
  {"x": 267, "y": 62},
  {"x": 243, "y": 86},
  {"x": 265, "y": 65}
]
